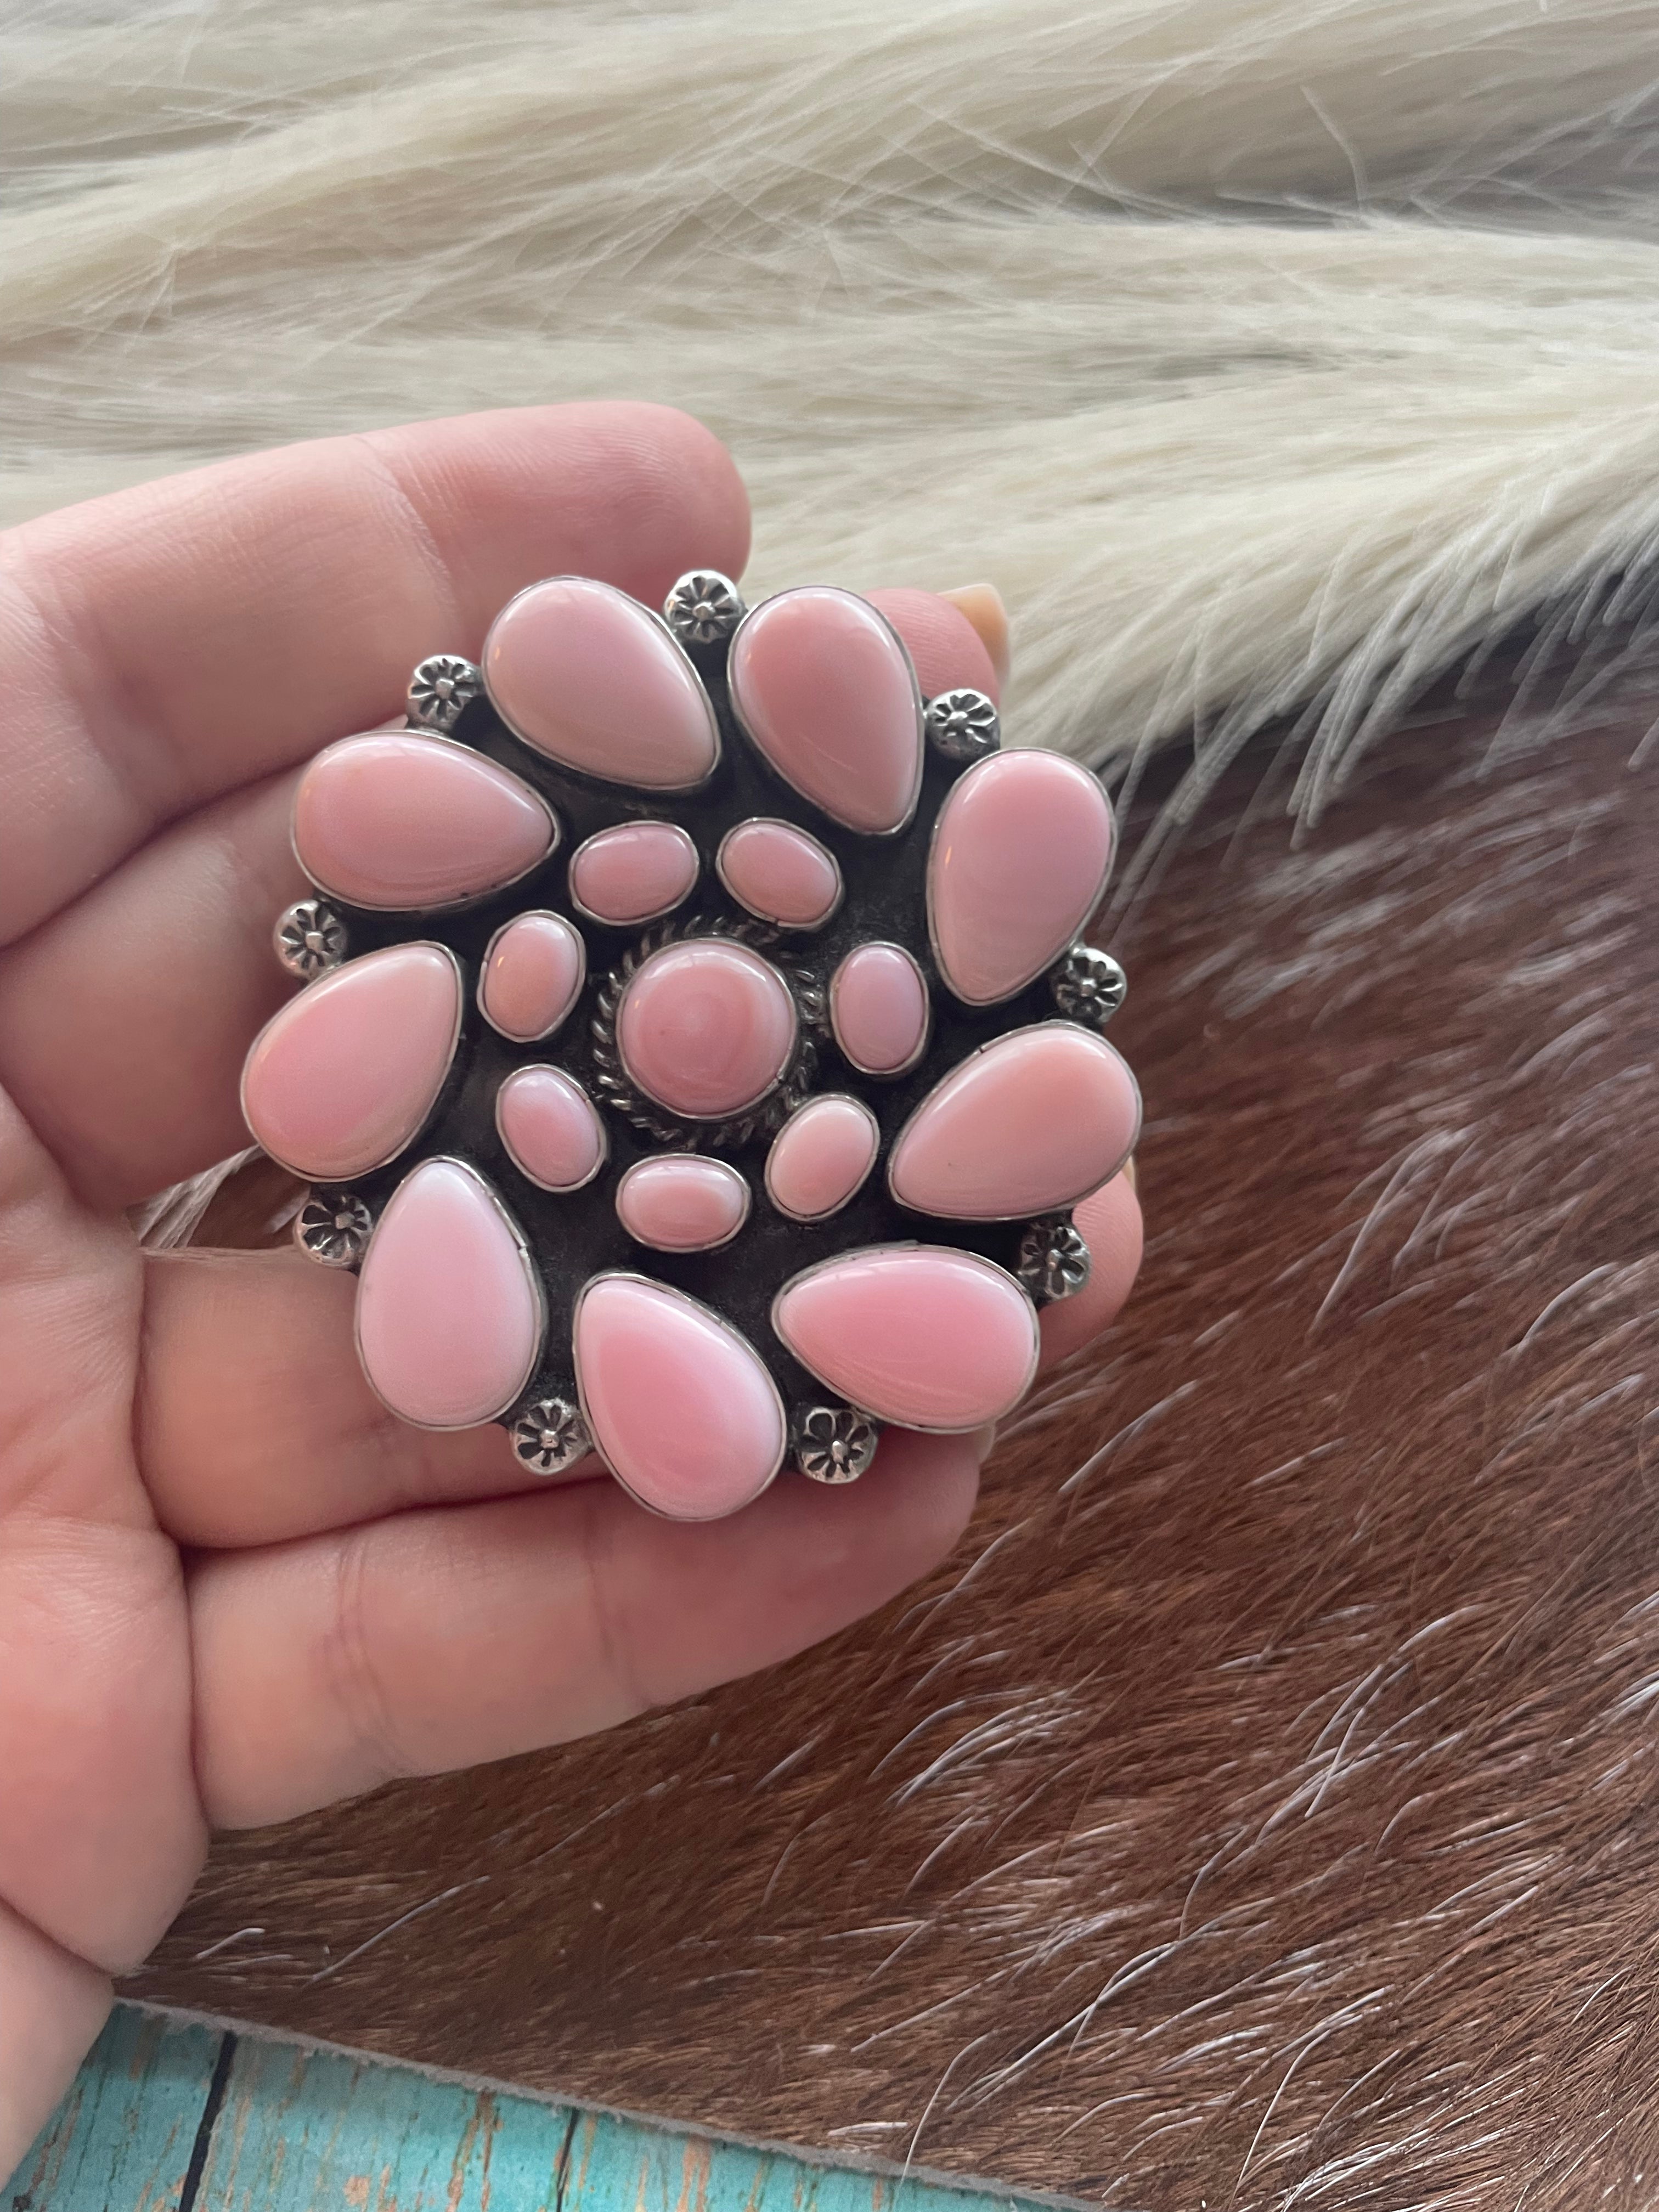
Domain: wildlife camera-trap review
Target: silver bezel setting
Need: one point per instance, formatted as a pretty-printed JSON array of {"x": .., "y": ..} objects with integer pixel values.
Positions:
[
  {"x": 532, "y": 1275},
  {"x": 657, "y": 913},
  {"x": 768, "y": 1113},
  {"x": 633, "y": 1275},
  {"x": 430, "y": 737},
  {"x": 912, "y": 1244},
  {"x": 771, "y": 920},
  {"x": 884, "y": 1074},
  {"x": 1060, "y": 1204},
  {"x": 961, "y": 785},
  {"x": 616, "y": 783},
  {"x": 893, "y": 829},
  {"x": 557, "y": 1189},
  {"x": 718, "y": 1243},
  {"x": 534, "y": 914}
]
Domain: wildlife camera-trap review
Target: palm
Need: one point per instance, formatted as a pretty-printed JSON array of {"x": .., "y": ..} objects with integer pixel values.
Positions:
[{"x": 231, "y": 1588}]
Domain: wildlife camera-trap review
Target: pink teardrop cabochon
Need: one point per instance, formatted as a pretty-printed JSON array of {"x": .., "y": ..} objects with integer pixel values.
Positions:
[{"x": 587, "y": 676}]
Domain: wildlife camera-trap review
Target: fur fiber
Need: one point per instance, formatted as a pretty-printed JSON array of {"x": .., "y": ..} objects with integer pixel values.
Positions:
[{"x": 1262, "y": 1809}]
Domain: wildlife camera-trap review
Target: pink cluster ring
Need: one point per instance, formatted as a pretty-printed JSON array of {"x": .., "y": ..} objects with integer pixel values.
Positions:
[{"x": 698, "y": 1057}]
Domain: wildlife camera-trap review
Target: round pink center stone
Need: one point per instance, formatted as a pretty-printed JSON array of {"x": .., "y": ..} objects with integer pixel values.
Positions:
[{"x": 706, "y": 1028}]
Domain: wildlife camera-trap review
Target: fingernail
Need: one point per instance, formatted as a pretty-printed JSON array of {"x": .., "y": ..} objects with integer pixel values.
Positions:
[
  {"x": 982, "y": 605},
  {"x": 1132, "y": 1174},
  {"x": 984, "y": 1441}
]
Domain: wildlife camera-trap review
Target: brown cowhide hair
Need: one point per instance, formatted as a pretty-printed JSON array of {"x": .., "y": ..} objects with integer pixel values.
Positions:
[{"x": 1262, "y": 1808}]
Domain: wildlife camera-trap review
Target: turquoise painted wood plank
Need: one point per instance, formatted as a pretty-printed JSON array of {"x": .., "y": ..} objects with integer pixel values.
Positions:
[
  {"x": 177, "y": 2115},
  {"x": 620, "y": 2165},
  {"x": 308, "y": 2130},
  {"x": 122, "y": 2140}
]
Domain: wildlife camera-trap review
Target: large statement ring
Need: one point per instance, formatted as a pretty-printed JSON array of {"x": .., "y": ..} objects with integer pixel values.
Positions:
[{"x": 697, "y": 1058}]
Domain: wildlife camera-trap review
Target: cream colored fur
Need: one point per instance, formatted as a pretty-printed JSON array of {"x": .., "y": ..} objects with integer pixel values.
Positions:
[{"x": 1269, "y": 357}]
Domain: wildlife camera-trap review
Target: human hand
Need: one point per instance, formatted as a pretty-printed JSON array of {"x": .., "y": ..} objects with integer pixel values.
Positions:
[{"x": 232, "y": 1587}]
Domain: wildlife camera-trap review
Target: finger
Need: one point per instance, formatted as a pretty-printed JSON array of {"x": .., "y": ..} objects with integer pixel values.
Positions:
[
  {"x": 439, "y": 1639},
  {"x": 255, "y": 1424},
  {"x": 52, "y": 2006},
  {"x": 946, "y": 644},
  {"x": 170, "y": 643},
  {"x": 1110, "y": 1222},
  {"x": 124, "y": 1021}
]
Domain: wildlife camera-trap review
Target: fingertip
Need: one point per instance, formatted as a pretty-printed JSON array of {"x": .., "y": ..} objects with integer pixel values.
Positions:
[
  {"x": 983, "y": 605},
  {"x": 945, "y": 646},
  {"x": 1110, "y": 1220}
]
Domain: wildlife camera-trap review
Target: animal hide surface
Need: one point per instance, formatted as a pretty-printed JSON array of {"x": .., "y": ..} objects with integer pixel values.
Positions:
[{"x": 1262, "y": 1808}]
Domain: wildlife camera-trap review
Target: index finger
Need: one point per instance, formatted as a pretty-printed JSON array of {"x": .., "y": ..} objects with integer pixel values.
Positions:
[{"x": 171, "y": 643}]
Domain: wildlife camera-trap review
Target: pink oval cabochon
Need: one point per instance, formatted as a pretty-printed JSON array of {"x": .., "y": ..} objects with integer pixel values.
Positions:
[
  {"x": 1020, "y": 856},
  {"x": 532, "y": 976},
  {"x": 679, "y": 1406},
  {"x": 779, "y": 873},
  {"x": 586, "y": 676},
  {"x": 634, "y": 873},
  {"x": 449, "y": 1308},
  {"x": 681, "y": 1202},
  {"x": 824, "y": 689},
  {"x": 342, "y": 1077},
  {"x": 403, "y": 821},
  {"x": 925, "y": 1335},
  {"x": 821, "y": 1156},
  {"x": 1032, "y": 1121}
]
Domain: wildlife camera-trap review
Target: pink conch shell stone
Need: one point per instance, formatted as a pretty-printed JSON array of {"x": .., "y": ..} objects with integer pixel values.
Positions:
[
  {"x": 824, "y": 687},
  {"x": 1021, "y": 852},
  {"x": 821, "y": 1156},
  {"x": 878, "y": 1009},
  {"x": 681, "y": 1408},
  {"x": 634, "y": 873},
  {"x": 550, "y": 1127},
  {"x": 1033, "y": 1121},
  {"x": 532, "y": 976},
  {"x": 921, "y": 1334},
  {"x": 779, "y": 873},
  {"x": 706, "y": 1028},
  {"x": 402, "y": 821},
  {"x": 680, "y": 1202},
  {"x": 342, "y": 1079},
  {"x": 449, "y": 1310},
  {"x": 583, "y": 674}
]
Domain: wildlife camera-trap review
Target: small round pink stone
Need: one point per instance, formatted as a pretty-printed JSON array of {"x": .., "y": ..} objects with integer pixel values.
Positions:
[
  {"x": 878, "y": 1009},
  {"x": 680, "y": 1407},
  {"x": 401, "y": 821},
  {"x": 634, "y": 873},
  {"x": 1034, "y": 1120},
  {"x": 706, "y": 1028},
  {"x": 532, "y": 976},
  {"x": 680, "y": 1202},
  {"x": 449, "y": 1310},
  {"x": 821, "y": 1156},
  {"x": 342, "y": 1079},
  {"x": 551, "y": 1127},
  {"x": 823, "y": 685},
  {"x": 1020, "y": 857},
  {"x": 779, "y": 873},
  {"x": 583, "y": 674},
  {"x": 921, "y": 1334}
]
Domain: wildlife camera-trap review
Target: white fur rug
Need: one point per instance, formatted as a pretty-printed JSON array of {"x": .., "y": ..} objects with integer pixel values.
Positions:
[{"x": 1273, "y": 355}]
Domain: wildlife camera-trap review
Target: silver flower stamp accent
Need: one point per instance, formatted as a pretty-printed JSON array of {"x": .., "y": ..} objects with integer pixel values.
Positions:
[
  {"x": 310, "y": 938},
  {"x": 703, "y": 608},
  {"x": 835, "y": 1443},
  {"x": 333, "y": 1231},
  {"x": 441, "y": 687},
  {"x": 964, "y": 725},
  {"x": 1054, "y": 1262},
  {"x": 551, "y": 1435},
  {"x": 1088, "y": 986}
]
